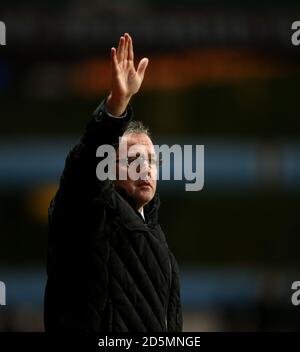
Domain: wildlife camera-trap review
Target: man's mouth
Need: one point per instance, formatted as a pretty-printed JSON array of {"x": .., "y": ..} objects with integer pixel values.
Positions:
[{"x": 144, "y": 184}]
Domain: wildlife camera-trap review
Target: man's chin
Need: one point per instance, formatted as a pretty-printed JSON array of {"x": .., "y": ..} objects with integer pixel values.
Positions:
[{"x": 144, "y": 195}]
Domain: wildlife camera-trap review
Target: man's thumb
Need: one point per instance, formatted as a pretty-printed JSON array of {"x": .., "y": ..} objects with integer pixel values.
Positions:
[{"x": 142, "y": 67}]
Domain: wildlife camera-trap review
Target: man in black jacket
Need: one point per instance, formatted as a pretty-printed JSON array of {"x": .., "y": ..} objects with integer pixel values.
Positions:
[{"x": 109, "y": 266}]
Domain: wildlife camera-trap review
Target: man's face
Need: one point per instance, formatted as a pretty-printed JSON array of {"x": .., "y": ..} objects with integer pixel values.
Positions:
[{"x": 143, "y": 189}]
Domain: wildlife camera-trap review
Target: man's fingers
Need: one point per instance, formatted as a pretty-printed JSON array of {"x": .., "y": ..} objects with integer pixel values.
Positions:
[
  {"x": 114, "y": 59},
  {"x": 142, "y": 67},
  {"x": 120, "y": 51},
  {"x": 126, "y": 48},
  {"x": 130, "y": 52}
]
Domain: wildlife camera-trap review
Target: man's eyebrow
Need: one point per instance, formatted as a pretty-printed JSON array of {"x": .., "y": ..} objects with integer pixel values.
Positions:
[{"x": 149, "y": 155}]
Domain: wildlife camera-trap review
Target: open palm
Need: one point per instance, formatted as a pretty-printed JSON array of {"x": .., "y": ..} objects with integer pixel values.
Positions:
[{"x": 126, "y": 80}]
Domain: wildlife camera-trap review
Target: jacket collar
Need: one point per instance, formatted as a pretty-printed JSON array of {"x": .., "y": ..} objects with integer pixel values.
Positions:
[{"x": 150, "y": 209}]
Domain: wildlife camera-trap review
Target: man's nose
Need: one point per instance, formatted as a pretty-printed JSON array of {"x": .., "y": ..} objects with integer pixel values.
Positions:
[{"x": 145, "y": 170}]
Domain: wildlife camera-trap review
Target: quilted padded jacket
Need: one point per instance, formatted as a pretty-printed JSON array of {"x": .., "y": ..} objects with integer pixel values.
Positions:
[{"x": 108, "y": 269}]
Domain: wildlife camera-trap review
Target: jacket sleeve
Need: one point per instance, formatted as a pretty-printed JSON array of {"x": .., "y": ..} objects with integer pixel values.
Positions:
[
  {"x": 76, "y": 251},
  {"x": 174, "y": 307},
  {"x": 79, "y": 175}
]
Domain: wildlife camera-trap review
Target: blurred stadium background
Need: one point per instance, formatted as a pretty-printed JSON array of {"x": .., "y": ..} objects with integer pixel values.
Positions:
[{"x": 221, "y": 74}]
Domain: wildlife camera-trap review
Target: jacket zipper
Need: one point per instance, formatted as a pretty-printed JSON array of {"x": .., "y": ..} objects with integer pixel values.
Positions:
[
  {"x": 110, "y": 315},
  {"x": 167, "y": 304},
  {"x": 148, "y": 225}
]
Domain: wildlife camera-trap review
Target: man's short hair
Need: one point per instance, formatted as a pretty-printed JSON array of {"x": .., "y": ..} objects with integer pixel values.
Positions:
[{"x": 137, "y": 127}]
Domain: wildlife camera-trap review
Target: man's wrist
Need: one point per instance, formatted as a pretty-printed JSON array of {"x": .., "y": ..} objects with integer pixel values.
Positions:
[
  {"x": 116, "y": 106},
  {"x": 114, "y": 116}
]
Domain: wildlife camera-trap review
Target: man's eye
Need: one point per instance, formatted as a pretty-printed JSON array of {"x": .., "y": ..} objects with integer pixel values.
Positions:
[{"x": 131, "y": 159}]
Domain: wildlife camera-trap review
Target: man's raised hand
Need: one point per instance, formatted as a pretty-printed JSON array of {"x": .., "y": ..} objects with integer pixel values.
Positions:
[{"x": 126, "y": 80}]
